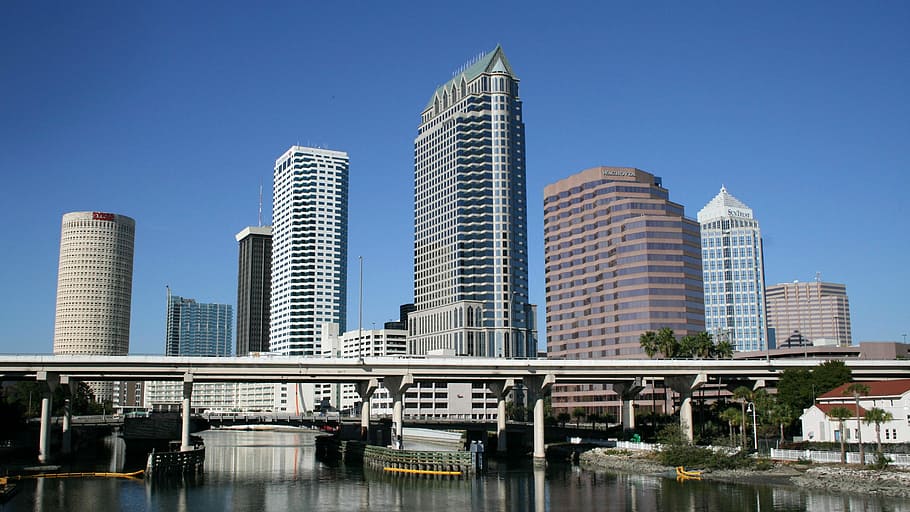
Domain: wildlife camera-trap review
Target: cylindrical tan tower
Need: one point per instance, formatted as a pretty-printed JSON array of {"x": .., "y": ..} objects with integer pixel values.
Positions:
[{"x": 94, "y": 284}]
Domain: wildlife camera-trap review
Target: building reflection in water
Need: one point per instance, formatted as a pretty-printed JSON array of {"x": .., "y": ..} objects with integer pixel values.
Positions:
[{"x": 272, "y": 471}]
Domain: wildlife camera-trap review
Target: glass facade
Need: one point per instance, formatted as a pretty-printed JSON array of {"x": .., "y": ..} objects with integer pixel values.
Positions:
[
  {"x": 198, "y": 329},
  {"x": 733, "y": 273}
]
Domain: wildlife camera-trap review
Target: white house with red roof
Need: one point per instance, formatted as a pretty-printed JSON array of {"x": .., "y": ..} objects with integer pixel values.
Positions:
[{"x": 890, "y": 395}]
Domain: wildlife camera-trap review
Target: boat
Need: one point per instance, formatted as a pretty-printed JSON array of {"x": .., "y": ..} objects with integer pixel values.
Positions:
[
  {"x": 7, "y": 489},
  {"x": 682, "y": 473}
]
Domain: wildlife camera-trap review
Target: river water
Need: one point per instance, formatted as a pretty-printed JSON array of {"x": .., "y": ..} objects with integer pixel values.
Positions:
[{"x": 277, "y": 472}]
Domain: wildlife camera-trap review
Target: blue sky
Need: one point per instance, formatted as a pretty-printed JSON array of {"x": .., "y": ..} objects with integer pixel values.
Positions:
[{"x": 173, "y": 113}]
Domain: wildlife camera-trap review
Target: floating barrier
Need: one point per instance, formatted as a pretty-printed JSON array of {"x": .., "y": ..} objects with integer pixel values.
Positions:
[
  {"x": 95, "y": 474},
  {"x": 422, "y": 471}
]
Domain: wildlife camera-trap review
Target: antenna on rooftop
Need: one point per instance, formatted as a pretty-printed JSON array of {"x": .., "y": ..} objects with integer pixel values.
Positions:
[
  {"x": 818, "y": 277},
  {"x": 260, "y": 203}
]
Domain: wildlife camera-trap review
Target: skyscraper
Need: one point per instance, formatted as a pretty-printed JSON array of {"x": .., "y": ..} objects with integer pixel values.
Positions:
[
  {"x": 254, "y": 282},
  {"x": 734, "y": 275},
  {"x": 197, "y": 329},
  {"x": 309, "y": 248},
  {"x": 814, "y": 313},
  {"x": 470, "y": 218},
  {"x": 94, "y": 285},
  {"x": 620, "y": 259}
]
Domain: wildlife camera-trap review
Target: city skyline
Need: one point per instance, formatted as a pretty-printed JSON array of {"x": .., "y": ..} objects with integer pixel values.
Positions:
[{"x": 771, "y": 106}]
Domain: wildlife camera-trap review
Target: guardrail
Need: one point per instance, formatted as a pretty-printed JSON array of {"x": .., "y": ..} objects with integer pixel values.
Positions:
[{"x": 898, "y": 459}]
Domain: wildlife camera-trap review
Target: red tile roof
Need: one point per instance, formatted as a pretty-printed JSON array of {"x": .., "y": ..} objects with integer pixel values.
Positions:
[
  {"x": 826, "y": 408},
  {"x": 876, "y": 389}
]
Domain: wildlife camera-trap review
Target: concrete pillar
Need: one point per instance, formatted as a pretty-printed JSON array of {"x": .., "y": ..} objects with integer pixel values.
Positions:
[
  {"x": 44, "y": 446},
  {"x": 67, "y": 446},
  {"x": 70, "y": 387},
  {"x": 47, "y": 405},
  {"x": 185, "y": 430},
  {"x": 540, "y": 385},
  {"x": 501, "y": 388},
  {"x": 366, "y": 389},
  {"x": 397, "y": 385},
  {"x": 627, "y": 392},
  {"x": 685, "y": 385}
]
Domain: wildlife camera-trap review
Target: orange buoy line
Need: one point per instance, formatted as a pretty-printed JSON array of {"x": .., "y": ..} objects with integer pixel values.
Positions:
[
  {"x": 422, "y": 471},
  {"x": 134, "y": 474}
]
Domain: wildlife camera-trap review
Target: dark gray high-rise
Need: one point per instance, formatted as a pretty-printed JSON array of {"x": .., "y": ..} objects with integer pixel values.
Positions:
[{"x": 254, "y": 282}]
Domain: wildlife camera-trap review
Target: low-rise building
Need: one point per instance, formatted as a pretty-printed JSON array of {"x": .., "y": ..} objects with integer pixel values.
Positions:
[{"x": 892, "y": 396}]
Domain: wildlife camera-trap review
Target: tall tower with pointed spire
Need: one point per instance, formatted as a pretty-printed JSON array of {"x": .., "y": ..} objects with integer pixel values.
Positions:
[
  {"x": 734, "y": 273},
  {"x": 470, "y": 218}
]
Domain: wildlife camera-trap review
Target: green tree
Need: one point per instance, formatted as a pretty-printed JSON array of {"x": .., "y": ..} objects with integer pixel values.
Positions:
[
  {"x": 722, "y": 350},
  {"x": 828, "y": 376},
  {"x": 782, "y": 416},
  {"x": 667, "y": 343},
  {"x": 795, "y": 388},
  {"x": 841, "y": 414},
  {"x": 878, "y": 416},
  {"x": 562, "y": 418},
  {"x": 648, "y": 342},
  {"x": 743, "y": 395},
  {"x": 688, "y": 347},
  {"x": 732, "y": 417},
  {"x": 858, "y": 389}
]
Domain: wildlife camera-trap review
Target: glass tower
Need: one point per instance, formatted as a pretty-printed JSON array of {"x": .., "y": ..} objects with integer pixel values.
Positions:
[
  {"x": 197, "y": 329},
  {"x": 734, "y": 274},
  {"x": 309, "y": 248},
  {"x": 470, "y": 218}
]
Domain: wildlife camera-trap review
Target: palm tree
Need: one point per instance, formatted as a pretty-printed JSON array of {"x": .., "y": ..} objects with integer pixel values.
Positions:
[
  {"x": 667, "y": 343},
  {"x": 731, "y": 416},
  {"x": 841, "y": 414},
  {"x": 878, "y": 416},
  {"x": 723, "y": 350},
  {"x": 782, "y": 415},
  {"x": 648, "y": 342},
  {"x": 856, "y": 389},
  {"x": 743, "y": 395}
]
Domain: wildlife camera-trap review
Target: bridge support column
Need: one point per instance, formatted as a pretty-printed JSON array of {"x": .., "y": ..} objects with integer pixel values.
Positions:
[
  {"x": 366, "y": 389},
  {"x": 185, "y": 429},
  {"x": 540, "y": 385},
  {"x": 70, "y": 387},
  {"x": 47, "y": 405},
  {"x": 397, "y": 385},
  {"x": 627, "y": 392},
  {"x": 501, "y": 388},
  {"x": 685, "y": 385}
]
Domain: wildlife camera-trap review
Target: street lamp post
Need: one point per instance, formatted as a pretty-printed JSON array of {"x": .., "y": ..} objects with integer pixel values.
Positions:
[
  {"x": 751, "y": 408},
  {"x": 360, "y": 314}
]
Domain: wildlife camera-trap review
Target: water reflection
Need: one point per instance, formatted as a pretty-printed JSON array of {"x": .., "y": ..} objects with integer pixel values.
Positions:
[{"x": 270, "y": 471}]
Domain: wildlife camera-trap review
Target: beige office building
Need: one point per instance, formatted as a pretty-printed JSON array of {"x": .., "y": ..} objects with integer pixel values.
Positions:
[
  {"x": 94, "y": 287},
  {"x": 621, "y": 259},
  {"x": 811, "y": 313}
]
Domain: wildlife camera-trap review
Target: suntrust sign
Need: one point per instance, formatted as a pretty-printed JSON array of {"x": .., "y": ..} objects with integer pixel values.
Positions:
[
  {"x": 609, "y": 172},
  {"x": 103, "y": 216},
  {"x": 742, "y": 214}
]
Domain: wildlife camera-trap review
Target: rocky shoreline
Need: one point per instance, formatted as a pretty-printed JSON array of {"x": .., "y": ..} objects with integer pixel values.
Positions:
[{"x": 832, "y": 478}]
